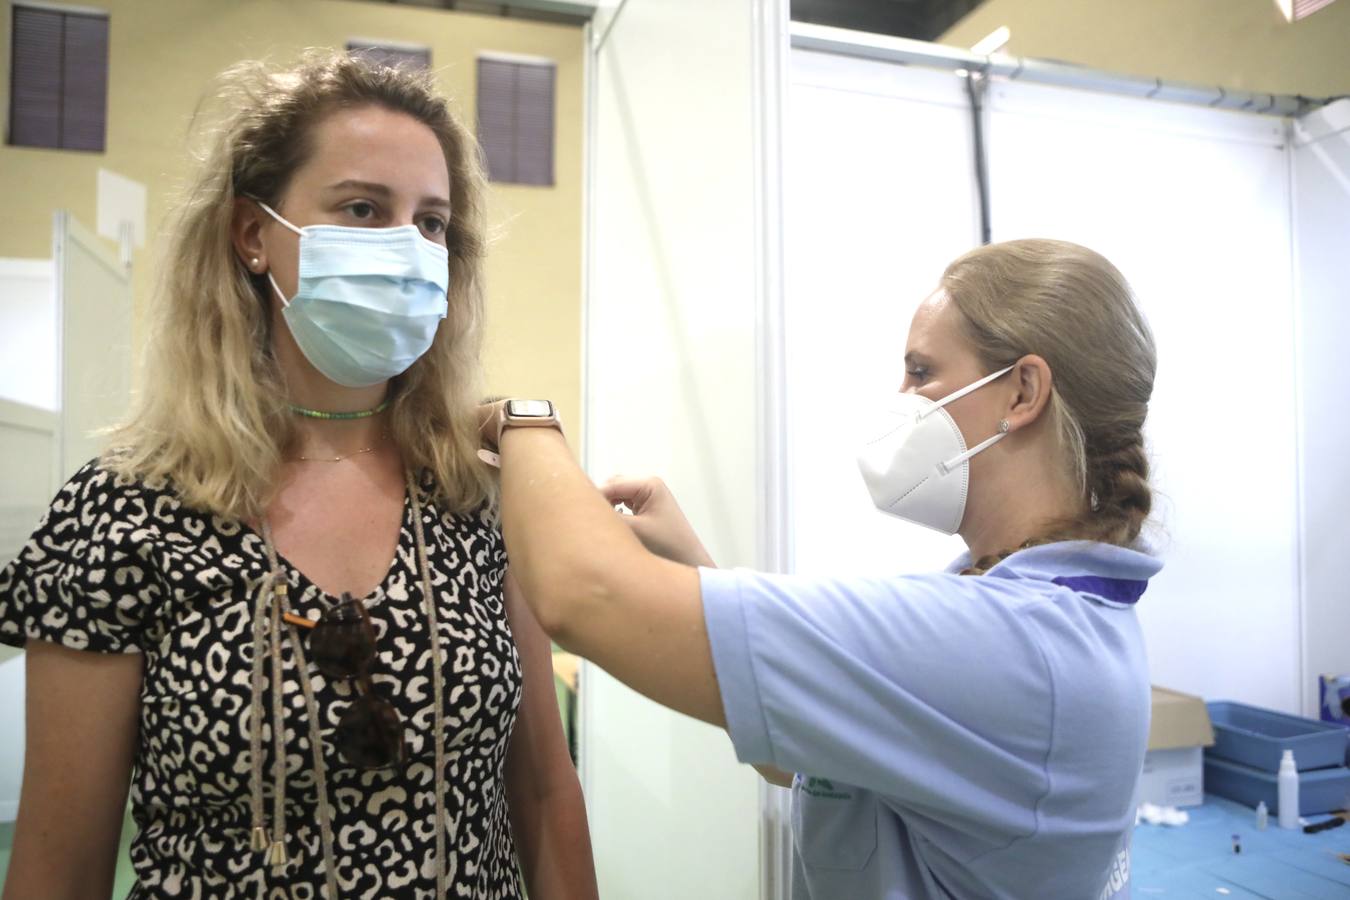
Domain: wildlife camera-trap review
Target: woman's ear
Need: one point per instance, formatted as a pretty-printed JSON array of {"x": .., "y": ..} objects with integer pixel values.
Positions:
[
  {"x": 1033, "y": 380},
  {"x": 246, "y": 235}
]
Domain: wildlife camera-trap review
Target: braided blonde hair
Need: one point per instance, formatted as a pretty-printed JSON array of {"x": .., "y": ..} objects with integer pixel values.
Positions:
[{"x": 1070, "y": 306}]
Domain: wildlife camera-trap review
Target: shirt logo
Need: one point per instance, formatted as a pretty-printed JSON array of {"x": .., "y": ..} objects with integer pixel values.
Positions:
[
  {"x": 1118, "y": 877},
  {"x": 824, "y": 788}
]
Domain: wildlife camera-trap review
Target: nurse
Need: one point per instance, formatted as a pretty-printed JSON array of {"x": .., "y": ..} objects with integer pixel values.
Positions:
[{"x": 971, "y": 733}]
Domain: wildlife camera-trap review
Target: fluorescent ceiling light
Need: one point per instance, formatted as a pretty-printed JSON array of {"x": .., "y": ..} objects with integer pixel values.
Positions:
[
  {"x": 997, "y": 39},
  {"x": 1294, "y": 10}
]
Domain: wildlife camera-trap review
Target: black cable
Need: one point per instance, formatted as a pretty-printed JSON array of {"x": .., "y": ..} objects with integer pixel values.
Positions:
[
  {"x": 1333, "y": 822},
  {"x": 975, "y": 85}
]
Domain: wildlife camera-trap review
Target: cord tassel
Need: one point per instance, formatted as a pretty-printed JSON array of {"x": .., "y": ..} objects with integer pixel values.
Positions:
[
  {"x": 316, "y": 750},
  {"x": 277, "y": 855},
  {"x": 437, "y": 683},
  {"x": 259, "y": 839}
]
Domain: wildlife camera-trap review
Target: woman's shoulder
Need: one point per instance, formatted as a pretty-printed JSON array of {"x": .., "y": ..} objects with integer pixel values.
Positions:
[
  {"x": 106, "y": 502},
  {"x": 104, "y": 486},
  {"x": 84, "y": 578}
]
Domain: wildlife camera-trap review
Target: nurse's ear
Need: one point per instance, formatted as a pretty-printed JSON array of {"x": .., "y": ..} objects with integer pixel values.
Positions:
[
  {"x": 1031, "y": 383},
  {"x": 246, "y": 235}
]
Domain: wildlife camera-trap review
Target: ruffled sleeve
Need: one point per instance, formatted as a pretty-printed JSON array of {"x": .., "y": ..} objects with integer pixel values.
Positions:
[{"x": 86, "y": 577}]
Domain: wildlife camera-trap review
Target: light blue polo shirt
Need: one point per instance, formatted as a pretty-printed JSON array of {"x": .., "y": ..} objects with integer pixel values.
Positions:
[{"x": 956, "y": 736}]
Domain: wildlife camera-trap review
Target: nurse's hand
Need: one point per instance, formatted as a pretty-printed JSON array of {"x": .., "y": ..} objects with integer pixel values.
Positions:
[{"x": 657, "y": 519}]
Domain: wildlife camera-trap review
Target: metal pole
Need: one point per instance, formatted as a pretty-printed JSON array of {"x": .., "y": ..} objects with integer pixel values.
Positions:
[
  {"x": 920, "y": 53},
  {"x": 976, "y": 84}
]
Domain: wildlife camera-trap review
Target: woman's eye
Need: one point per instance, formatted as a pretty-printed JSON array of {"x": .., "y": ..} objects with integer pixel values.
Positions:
[
  {"x": 433, "y": 225},
  {"x": 361, "y": 210},
  {"x": 919, "y": 375}
]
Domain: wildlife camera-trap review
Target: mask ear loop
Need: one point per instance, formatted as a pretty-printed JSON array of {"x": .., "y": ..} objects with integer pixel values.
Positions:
[
  {"x": 274, "y": 214},
  {"x": 284, "y": 302},
  {"x": 945, "y": 467},
  {"x": 957, "y": 395}
]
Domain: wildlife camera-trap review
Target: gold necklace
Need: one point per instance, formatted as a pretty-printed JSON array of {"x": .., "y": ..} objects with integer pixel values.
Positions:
[{"x": 373, "y": 446}]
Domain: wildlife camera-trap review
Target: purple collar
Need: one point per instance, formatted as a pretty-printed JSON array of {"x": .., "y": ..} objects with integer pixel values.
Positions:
[{"x": 1116, "y": 590}]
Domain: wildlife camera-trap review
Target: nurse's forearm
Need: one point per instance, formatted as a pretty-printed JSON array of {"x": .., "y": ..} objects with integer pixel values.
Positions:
[{"x": 562, "y": 538}]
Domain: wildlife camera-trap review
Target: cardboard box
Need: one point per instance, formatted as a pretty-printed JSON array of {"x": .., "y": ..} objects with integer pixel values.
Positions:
[{"x": 1174, "y": 766}]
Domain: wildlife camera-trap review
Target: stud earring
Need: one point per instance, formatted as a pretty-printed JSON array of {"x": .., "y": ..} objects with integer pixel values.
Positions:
[
  {"x": 253, "y": 263},
  {"x": 1003, "y": 426}
]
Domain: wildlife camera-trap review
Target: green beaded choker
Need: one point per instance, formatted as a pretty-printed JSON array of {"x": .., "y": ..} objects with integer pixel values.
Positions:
[{"x": 319, "y": 414}]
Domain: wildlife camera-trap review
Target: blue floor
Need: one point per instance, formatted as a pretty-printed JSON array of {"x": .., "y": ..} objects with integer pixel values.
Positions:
[
  {"x": 1197, "y": 859},
  {"x": 1193, "y": 861}
]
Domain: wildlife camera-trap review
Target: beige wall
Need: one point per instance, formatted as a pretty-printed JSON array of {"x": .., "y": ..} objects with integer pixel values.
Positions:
[
  {"x": 1243, "y": 44},
  {"x": 163, "y": 54}
]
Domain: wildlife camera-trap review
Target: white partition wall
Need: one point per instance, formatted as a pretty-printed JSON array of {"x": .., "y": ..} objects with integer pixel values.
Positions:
[
  {"x": 29, "y": 438},
  {"x": 28, "y": 332},
  {"x": 1321, "y": 153},
  {"x": 94, "y": 291},
  {"x": 673, "y": 387},
  {"x": 877, "y": 197},
  {"x": 28, "y": 461},
  {"x": 1192, "y": 204},
  {"x": 68, "y": 326}
]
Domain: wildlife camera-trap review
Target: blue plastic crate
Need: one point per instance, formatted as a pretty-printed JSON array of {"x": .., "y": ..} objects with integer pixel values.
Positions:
[
  {"x": 1319, "y": 791},
  {"x": 1258, "y": 737}
]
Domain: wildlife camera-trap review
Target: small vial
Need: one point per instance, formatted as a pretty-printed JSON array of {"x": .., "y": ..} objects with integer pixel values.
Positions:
[
  {"x": 1237, "y": 843},
  {"x": 1262, "y": 816}
]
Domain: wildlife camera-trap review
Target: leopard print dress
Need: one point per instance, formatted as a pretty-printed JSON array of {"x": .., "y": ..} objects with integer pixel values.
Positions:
[{"x": 118, "y": 565}]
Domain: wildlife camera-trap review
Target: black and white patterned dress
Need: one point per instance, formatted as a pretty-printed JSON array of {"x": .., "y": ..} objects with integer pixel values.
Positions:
[{"x": 120, "y": 566}]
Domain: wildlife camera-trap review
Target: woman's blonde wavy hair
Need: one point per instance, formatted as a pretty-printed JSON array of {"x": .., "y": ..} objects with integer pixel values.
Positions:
[
  {"x": 212, "y": 417},
  {"x": 1072, "y": 307}
]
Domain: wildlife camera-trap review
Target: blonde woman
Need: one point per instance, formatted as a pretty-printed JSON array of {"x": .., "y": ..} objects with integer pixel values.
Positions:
[
  {"x": 973, "y": 733},
  {"x": 279, "y": 608}
]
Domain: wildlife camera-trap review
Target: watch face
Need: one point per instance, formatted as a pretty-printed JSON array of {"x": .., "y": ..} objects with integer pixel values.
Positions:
[{"x": 529, "y": 409}]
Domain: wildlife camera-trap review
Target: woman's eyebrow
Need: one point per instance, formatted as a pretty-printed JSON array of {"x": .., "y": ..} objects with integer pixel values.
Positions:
[
  {"x": 383, "y": 192},
  {"x": 370, "y": 187}
]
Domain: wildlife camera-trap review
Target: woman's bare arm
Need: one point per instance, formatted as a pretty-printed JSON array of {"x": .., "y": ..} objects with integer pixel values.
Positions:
[
  {"x": 548, "y": 816},
  {"x": 82, "y": 716},
  {"x": 593, "y": 586}
]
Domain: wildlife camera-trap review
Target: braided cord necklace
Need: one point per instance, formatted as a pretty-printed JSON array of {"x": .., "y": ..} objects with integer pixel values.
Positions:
[{"x": 274, "y": 585}]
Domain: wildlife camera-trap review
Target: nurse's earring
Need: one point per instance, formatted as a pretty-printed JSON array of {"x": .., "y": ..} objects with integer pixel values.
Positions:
[
  {"x": 1003, "y": 426},
  {"x": 253, "y": 264}
]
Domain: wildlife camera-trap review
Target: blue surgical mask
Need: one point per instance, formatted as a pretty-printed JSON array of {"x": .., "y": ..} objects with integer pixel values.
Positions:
[{"x": 367, "y": 300}]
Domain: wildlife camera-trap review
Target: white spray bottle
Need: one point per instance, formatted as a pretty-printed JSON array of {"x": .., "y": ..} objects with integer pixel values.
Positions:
[{"x": 1287, "y": 782}]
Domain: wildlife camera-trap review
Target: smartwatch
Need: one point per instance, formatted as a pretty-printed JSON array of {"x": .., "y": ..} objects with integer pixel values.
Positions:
[{"x": 527, "y": 414}]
